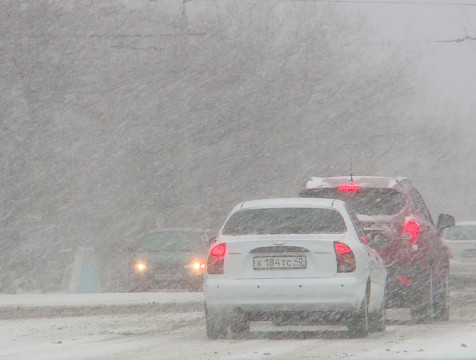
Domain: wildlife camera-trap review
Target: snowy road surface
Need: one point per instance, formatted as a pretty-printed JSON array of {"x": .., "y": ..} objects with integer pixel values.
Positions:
[{"x": 171, "y": 326}]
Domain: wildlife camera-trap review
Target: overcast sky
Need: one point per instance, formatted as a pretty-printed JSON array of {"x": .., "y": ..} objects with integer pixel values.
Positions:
[{"x": 423, "y": 34}]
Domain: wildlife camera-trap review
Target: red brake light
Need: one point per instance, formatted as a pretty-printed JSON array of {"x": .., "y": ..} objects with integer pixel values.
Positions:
[
  {"x": 345, "y": 258},
  {"x": 216, "y": 259},
  {"x": 348, "y": 188},
  {"x": 218, "y": 250},
  {"x": 342, "y": 248},
  {"x": 405, "y": 280},
  {"x": 412, "y": 228}
]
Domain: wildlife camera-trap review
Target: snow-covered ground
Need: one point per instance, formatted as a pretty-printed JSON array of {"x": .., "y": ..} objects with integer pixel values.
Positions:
[
  {"x": 127, "y": 326},
  {"x": 73, "y": 300}
]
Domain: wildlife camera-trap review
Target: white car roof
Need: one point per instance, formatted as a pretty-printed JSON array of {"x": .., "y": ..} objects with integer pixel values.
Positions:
[
  {"x": 465, "y": 223},
  {"x": 287, "y": 202}
]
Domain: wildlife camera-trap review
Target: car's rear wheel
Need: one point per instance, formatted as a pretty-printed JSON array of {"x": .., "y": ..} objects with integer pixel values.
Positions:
[
  {"x": 240, "y": 324},
  {"x": 442, "y": 298},
  {"x": 421, "y": 308},
  {"x": 359, "y": 323},
  {"x": 377, "y": 320},
  {"x": 215, "y": 325}
]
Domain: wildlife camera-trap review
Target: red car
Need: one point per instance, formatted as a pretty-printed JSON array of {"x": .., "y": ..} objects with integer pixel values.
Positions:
[{"x": 399, "y": 226}]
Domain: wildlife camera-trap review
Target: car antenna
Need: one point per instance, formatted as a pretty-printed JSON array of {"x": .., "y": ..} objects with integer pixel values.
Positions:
[{"x": 351, "y": 175}]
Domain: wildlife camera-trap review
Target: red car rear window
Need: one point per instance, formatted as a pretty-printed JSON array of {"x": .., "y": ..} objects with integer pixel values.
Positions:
[{"x": 365, "y": 201}]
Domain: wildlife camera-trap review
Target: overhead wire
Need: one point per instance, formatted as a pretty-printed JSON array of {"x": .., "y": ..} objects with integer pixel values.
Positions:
[
  {"x": 379, "y": 2},
  {"x": 391, "y": 2}
]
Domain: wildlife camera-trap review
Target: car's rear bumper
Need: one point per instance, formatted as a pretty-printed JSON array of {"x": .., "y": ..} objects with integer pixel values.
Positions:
[{"x": 284, "y": 295}]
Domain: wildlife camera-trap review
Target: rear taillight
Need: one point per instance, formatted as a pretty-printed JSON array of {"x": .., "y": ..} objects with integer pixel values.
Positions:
[
  {"x": 412, "y": 228},
  {"x": 348, "y": 188},
  {"x": 218, "y": 251},
  {"x": 405, "y": 280},
  {"x": 216, "y": 259},
  {"x": 345, "y": 258}
]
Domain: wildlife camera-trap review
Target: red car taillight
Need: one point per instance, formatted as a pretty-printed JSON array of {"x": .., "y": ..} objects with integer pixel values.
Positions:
[
  {"x": 412, "y": 228},
  {"x": 345, "y": 258},
  {"x": 348, "y": 188},
  {"x": 216, "y": 259},
  {"x": 405, "y": 280}
]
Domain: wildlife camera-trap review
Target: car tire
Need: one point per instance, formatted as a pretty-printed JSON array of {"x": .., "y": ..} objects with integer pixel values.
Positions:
[
  {"x": 421, "y": 308},
  {"x": 377, "y": 320},
  {"x": 240, "y": 325},
  {"x": 442, "y": 299},
  {"x": 359, "y": 324},
  {"x": 216, "y": 326}
]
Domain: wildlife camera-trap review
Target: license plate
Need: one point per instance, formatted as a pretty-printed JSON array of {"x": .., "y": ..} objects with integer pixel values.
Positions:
[
  {"x": 279, "y": 262},
  {"x": 469, "y": 253}
]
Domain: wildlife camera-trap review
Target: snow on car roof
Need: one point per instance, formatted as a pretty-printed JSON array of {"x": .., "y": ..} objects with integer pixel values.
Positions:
[
  {"x": 465, "y": 223},
  {"x": 288, "y": 202},
  {"x": 181, "y": 230},
  {"x": 365, "y": 181}
]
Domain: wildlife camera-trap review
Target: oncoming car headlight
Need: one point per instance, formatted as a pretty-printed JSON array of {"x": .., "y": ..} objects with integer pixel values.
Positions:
[
  {"x": 197, "y": 266},
  {"x": 141, "y": 266}
]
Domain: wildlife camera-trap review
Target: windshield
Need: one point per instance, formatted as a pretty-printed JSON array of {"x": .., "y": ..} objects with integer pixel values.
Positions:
[
  {"x": 367, "y": 201},
  {"x": 285, "y": 221},
  {"x": 172, "y": 241},
  {"x": 461, "y": 232}
]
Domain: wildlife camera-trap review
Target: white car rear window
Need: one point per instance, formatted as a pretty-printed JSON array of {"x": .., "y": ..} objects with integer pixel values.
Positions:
[
  {"x": 461, "y": 232},
  {"x": 285, "y": 221}
]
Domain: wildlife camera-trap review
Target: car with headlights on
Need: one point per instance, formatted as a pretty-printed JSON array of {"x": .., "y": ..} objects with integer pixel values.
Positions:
[
  {"x": 400, "y": 228},
  {"x": 304, "y": 259},
  {"x": 461, "y": 240},
  {"x": 169, "y": 258}
]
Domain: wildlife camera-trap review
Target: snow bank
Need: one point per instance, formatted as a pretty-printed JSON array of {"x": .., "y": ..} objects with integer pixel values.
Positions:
[{"x": 109, "y": 299}]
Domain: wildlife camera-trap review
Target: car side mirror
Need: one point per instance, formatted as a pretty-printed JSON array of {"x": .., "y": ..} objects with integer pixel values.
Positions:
[
  {"x": 445, "y": 221},
  {"x": 212, "y": 241}
]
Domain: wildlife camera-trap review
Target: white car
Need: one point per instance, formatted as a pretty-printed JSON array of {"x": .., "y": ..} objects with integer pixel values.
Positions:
[
  {"x": 302, "y": 258},
  {"x": 461, "y": 240}
]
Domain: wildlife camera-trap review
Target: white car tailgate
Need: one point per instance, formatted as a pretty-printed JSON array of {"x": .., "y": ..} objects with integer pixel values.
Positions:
[
  {"x": 275, "y": 257},
  {"x": 462, "y": 250}
]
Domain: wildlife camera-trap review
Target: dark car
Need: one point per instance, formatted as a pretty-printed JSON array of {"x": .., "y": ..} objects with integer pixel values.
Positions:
[
  {"x": 169, "y": 258},
  {"x": 398, "y": 224}
]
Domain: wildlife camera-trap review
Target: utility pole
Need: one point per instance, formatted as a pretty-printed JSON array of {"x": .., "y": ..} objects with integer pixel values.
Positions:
[{"x": 183, "y": 15}]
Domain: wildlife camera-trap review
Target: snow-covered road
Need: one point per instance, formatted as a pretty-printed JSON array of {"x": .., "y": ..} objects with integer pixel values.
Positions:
[{"x": 171, "y": 326}]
